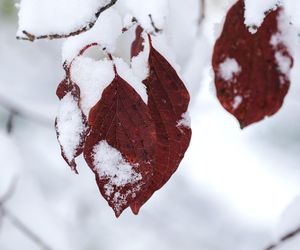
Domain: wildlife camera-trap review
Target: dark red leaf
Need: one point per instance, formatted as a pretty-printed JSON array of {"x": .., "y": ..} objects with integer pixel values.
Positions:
[
  {"x": 250, "y": 81},
  {"x": 71, "y": 146},
  {"x": 120, "y": 148},
  {"x": 168, "y": 103},
  {"x": 138, "y": 43}
]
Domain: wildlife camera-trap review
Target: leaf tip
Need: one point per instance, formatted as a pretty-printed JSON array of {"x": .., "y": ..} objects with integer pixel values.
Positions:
[{"x": 135, "y": 208}]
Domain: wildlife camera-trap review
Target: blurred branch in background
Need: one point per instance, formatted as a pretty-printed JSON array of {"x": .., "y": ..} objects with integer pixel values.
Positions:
[
  {"x": 202, "y": 12},
  {"x": 15, "y": 111},
  {"x": 18, "y": 224},
  {"x": 284, "y": 239}
]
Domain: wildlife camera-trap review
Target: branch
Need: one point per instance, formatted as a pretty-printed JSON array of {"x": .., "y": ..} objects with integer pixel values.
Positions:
[
  {"x": 31, "y": 37},
  {"x": 157, "y": 30},
  {"x": 284, "y": 239},
  {"x": 16, "y": 111},
  {"x": 5, "y": 213},
  {"x": 202, "y": 12}
]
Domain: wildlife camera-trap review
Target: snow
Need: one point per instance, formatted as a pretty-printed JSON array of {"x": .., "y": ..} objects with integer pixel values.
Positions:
[
  {"x": 141, "y": 10},
  {"x": 105, "y": 32},
  {"x": 42, "y": 17},
  {"x": 69, "y": 126},
  {"x": 284, "y": 63},
  {"x": 229, "y": 68},
  {"x": 92, "y": 76},
  {"x": 128, "y": 75},
  {"x": 111, "y": 166},
  {"x": 139, "y": 63},
  {"x": 237, "y": 101},
  {"x": 219, "y": 192},
  {"x": 255, "y": 11},
  {"x": 185, "y": 121}
]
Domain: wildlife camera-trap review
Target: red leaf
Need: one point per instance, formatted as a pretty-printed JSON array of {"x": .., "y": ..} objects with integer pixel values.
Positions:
[
  {"x": 138, "y": 43},
  {"x": 251, "y": 83},
  {"x": 120, "y": 148},
  {"x": 71, "y": 124},
  {"x": 168, "y": 102}
]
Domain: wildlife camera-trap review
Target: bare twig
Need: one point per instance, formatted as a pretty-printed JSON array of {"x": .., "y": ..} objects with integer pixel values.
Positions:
[
  {"x": 31, "y": 37},
  {"x": 157, "y": 30},
  {"x": 15, "y": 111},
  {"x": 6, "y": 213},
  {"x": 284, "y": 239}
]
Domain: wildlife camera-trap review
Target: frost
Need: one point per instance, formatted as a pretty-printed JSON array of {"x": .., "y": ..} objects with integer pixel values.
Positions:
[
  {"x": 92, "y": 77},
  {"x": 255, "y": 12},
  {"x": 229, "y": 68},
  {"x": 69, "y": 126},
  {"x": 185, "y": 121},
  {"x": 56, "y": 16},
  {"x": 111, "y": 166}
]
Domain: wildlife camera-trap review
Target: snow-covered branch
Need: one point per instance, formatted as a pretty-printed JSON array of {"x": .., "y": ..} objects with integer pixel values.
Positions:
[{"x": 32, "y": 37}]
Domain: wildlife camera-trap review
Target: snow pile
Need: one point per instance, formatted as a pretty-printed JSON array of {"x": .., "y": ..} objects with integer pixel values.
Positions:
[
  {"x": 229, "y": 68},
  {"x": 128, "y": 75},
  {"x": 105, "y": 32},
  {"x": 255, "y": 12},
  {"x": 69, "y": 126},
  {"x": 111, "y": 166},
  {"x": 92, "y": 77},
  {"x": 42, "y": 17}
]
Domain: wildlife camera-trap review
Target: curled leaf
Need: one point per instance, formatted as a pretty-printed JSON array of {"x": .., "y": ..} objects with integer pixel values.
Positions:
[
  {"x": 251, "y": 70},
  {"x": 71, "y": 124}
]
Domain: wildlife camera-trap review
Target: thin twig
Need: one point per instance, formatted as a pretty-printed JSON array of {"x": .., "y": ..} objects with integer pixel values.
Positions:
[
  {"x": 31, "y": 37},
  {"x": 157, "y": 30},
  {"x": 284, "y": 239}
]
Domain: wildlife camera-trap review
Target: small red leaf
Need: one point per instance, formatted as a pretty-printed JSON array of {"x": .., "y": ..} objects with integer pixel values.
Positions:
[
  {"x": 168, "y": 103},
  {"x": 71, "y": 124},
  {"x": 251, "y": 70},
  {"x": 120, "y": 148},
  {"x": 138, "y": 43}
]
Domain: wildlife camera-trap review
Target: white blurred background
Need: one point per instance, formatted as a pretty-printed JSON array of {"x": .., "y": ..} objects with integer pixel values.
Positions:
[{"x": 229, "y": 192}]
